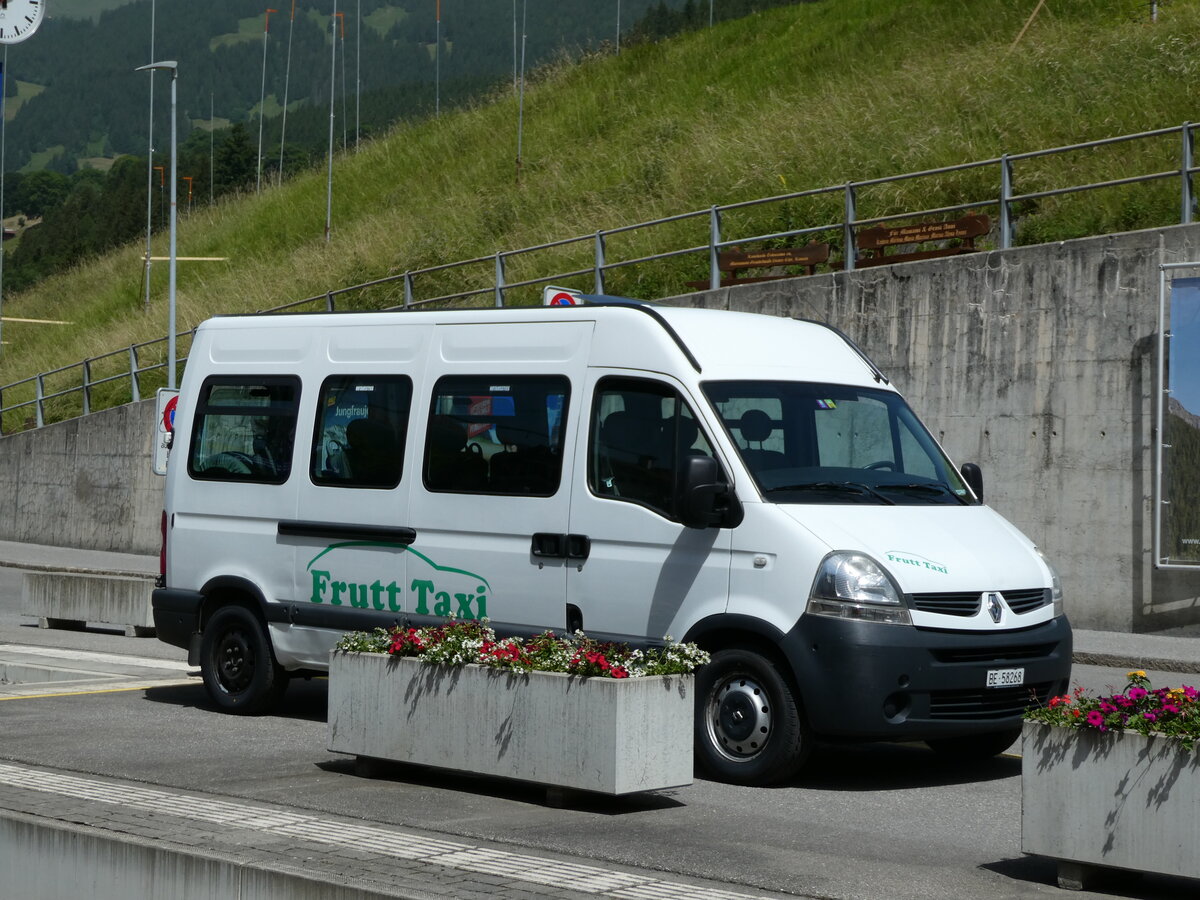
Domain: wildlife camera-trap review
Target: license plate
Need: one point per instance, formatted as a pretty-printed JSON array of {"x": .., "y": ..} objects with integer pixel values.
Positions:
[{"x": 1005, "y": 678}]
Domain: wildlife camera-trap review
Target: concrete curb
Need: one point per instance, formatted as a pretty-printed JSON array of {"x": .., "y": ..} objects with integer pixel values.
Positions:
[{"x": 46, "y": 859}]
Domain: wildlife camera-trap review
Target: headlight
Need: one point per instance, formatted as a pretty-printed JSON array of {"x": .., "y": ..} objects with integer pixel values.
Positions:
[
  {"x": 854, "y": 586},
  {"x": 1056, "y": 592}
]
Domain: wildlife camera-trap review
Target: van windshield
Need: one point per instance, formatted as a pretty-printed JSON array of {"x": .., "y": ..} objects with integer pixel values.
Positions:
[{"x": 827, "y": 443}]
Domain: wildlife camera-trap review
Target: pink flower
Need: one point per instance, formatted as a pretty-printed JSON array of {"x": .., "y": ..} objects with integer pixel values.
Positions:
[
  {"x": 1137, "y": 693},
  {"x": 1095, "y": 718}
]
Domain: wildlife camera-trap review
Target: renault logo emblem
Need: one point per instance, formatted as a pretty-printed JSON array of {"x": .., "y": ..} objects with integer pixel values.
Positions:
[{"x": 995, "y": 610}]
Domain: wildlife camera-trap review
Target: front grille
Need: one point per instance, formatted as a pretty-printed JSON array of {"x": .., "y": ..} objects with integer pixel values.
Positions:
[
  {"x": 955, "y": 604},
  {"x": 966, "y": 603},
  {"x": 993, "y": 654},
  {"x": 985, "y": 703},
  {"x": 1022, "y": 602}
]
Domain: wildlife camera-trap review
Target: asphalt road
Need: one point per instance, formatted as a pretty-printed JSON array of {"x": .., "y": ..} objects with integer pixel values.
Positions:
[{"x": 883, "y": 821}]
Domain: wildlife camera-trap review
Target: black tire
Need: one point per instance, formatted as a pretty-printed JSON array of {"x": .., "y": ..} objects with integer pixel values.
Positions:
[
  {"x": 749, "y": 726},
  {"x": 975, "y": 746},
  {"x": 238, "y": 665}
]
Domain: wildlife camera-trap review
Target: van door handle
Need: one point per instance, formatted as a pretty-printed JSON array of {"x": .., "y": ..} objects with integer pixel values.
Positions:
[
  {"x": 578, "y": 546},
  {"x": 549, "y": 546}
]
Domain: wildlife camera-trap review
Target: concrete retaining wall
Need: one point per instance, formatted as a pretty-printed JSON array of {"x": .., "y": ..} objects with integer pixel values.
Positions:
[
  {"x": 84, "y": 482},
  {"x": 1038, "y": 363}
]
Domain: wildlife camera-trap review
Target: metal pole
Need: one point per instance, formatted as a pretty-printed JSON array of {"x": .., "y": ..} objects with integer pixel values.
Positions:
[
  {"x": 499, "y": 279},
  {"x": 521, "y": 94},
  {"x": 211, "y": 147},
  {"x": 1185, "y": 172},
  {"x": 437, "y": 63},
  {"x": 287, "y": 79},
  {"x": 599, "y": 273},
  {"x": 1160, "y": 394},
  {"x": 357, "y": 70},
  {"x": 714, "y": 255},
  {"x": 1005, "y": 194},
  {"x": 345, "y": 117},
  {"x": 262, "y": 96},
  {"x": 171, "y": 264},
  {"x": 3, "y": 91},
  {"x": 849, "y": 252},
  {"x": 332, "y": 91},
  {"x": 150, "y": 166},
  {"x": 618, "y": 26}
]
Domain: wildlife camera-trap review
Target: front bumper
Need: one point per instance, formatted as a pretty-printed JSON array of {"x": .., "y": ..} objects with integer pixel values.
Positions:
[{"x": 897, "y": 682}]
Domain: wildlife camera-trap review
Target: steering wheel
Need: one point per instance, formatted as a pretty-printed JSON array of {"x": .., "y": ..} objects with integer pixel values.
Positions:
[{"x": 882, "y": 464}]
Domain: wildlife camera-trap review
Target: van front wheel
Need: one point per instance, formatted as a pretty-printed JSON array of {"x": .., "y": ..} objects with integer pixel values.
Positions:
[
  {"x": 749, "y": 727},
  {"x": 239, "y": 669}
]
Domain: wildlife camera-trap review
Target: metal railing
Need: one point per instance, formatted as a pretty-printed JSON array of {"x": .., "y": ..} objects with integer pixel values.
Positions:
[{"x": 492, "y": 271}]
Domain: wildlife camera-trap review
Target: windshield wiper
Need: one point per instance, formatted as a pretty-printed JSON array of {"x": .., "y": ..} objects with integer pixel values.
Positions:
[
  {"x": 852, "y": 487},
  {"x": 929, "y": 488}
]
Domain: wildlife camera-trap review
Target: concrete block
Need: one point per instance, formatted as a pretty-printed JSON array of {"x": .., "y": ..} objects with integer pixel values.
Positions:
[
  {"x": 1118, "y": 800},
  {"x": 593, "y": 734},
  {"x": 68, "y": 600}
]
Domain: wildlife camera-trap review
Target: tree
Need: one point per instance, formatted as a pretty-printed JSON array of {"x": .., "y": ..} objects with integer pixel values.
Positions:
[
  {"x": 234, "y": 166},
  {"x": 40, "y": 191}
]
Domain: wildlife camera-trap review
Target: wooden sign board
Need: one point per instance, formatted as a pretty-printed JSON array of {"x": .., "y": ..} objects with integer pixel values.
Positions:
[
  {"x": 967, "y": 228},
  {"x": 810, "y": 255}
]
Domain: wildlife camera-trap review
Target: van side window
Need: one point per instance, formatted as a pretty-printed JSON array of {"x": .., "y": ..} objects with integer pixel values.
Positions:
[
  {"x": 362, "y": 422},
  {"x": 245, "y": 429},
  {"x": 642, "y": 433},
  {"x": 497, "y": 434}
]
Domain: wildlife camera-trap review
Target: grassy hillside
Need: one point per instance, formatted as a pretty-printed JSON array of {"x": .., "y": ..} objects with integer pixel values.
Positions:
[{"x": 798, "y": 98}]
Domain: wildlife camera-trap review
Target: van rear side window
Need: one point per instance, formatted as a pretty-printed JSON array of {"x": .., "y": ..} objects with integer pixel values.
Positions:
[
  {"x": 496, "y": 434},
  {"x": 245, "y": 429},
  {"x": 362, "y": 421}
]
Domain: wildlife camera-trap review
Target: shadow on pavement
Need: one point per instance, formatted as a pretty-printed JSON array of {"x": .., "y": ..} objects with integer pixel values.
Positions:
[
  {"x": 895, "y": 767},
  {"x": 1106, "y": 882},
  {"x": 304, "y": 699},
  {"x": 384, "y": 771}
]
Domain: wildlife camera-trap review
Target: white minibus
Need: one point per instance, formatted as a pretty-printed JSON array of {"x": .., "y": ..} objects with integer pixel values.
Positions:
[{"x": 750, "y": 483}]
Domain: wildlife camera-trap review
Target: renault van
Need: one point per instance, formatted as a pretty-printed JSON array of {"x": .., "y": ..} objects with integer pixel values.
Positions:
[{"x": 751, "y": 483}]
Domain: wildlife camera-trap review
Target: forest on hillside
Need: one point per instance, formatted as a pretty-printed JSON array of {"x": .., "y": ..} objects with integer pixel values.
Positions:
[{"x": 98, "y": 106}]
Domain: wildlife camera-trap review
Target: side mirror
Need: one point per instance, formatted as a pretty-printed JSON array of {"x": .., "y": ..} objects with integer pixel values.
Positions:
[
  {"x": 973, "y": 476},
  {"x": 705, "y": 498}
]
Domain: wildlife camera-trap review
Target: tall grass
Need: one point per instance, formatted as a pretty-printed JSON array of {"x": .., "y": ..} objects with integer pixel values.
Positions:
[{"x": 801, "y": 97}]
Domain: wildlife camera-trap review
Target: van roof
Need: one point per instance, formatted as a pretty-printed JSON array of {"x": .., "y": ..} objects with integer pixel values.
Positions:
[{"x": 717, "y": 344}]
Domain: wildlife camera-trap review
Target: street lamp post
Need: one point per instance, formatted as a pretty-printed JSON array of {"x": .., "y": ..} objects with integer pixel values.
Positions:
[
  {"x": 150, "y": 168},
  {"x": 173, "y": 67}
]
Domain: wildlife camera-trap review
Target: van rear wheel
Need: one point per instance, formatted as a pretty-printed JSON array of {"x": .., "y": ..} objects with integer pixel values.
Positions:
[
  {"x": 749, "y": 726},
  {"x": 239, "y": 668}
]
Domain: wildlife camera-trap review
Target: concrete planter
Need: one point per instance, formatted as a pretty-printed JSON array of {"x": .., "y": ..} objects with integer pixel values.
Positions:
[
  {"x": 593, "y": 734},
  {"x": 1117, "y": 800}
]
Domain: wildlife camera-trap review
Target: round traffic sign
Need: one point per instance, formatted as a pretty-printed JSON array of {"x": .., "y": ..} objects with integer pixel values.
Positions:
[
  {"x": 562, "y": 298},
  {"x": 169, "y": 413}
]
